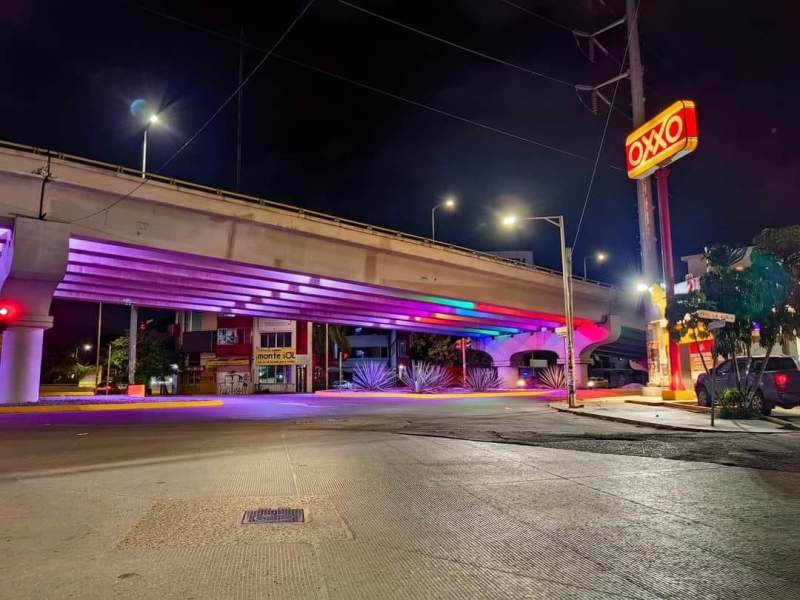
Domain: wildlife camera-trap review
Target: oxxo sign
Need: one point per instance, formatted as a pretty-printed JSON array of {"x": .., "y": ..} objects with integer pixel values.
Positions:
[{"x": 662, "y": 140}]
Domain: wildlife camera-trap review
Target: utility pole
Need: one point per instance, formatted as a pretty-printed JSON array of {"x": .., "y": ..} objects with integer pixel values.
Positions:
[
  {"x": 327, "y": 358},
  {"x": 97, "y": 353},
  {"x": 239, "y": 113},
  {"x": 647, "y": 238},
  {"x": 133, "y": 331}
]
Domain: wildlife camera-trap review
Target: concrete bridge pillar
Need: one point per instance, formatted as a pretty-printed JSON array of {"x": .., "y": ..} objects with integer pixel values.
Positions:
[
  {"x": 588, "y": 336},
  {"x": 31, "y": 266}
]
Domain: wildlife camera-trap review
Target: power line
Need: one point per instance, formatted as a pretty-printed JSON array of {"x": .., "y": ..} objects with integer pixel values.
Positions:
[
  {"x": 372, "y": 88},
  {"x": 455, "y": 45},
  {"x": 214, "y": 115},
  {"x": 436, "y": 110},
  {"x": 538, "y": 15}
]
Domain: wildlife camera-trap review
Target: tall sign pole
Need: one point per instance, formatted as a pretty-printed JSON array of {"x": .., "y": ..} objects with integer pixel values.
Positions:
[
  {"x": 647, "y": 238},
  {"x": 652, "y": 146}
]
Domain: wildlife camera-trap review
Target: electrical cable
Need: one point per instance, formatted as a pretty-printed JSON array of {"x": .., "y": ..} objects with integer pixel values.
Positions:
[
  {"x": 537, "y": 15},
  {"x": 213, "y": 116},
  {"x": 603, "y": 137},
  {"x": 368, "y": 87},
  {"x": 455, "y": 45}
]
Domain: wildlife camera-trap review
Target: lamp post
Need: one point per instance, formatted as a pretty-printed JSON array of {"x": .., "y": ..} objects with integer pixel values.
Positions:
[
  {"x": 566, "y": 276},
  {"x": 449, "y": 203},
  {"x": 599, "y": 257},
  {"x": 153, "y": 120}
]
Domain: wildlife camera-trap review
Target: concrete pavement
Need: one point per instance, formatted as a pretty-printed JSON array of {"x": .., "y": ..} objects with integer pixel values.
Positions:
[
  {"x": 619, "y": 409},
  {"x": 154, "y": 511}
]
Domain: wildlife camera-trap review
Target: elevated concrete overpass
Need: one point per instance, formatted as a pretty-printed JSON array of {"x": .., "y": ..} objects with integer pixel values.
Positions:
[{"x": 108, "y": 234}]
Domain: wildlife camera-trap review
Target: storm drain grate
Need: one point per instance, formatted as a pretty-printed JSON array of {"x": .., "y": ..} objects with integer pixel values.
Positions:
[{"x": 273, "y": 515}]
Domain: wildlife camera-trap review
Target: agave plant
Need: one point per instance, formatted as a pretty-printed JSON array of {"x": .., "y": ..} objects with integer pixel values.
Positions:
[
  {"x": 425, "y": 378},
  {"x": 480, "y": 379},
  {"x": 553, "y": 377},
  {"x": 372, "y": 376}
]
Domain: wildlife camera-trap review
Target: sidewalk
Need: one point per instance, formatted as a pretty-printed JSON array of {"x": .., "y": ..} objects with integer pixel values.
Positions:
[{"x": 617, "y": 409}]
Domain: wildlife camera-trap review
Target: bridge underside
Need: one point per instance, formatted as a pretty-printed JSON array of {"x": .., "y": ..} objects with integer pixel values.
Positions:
[{"x": 128, "y": 274}]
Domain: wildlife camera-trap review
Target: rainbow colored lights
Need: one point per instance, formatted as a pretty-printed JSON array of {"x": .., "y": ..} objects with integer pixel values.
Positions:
[{"x": 129, "y": 274}]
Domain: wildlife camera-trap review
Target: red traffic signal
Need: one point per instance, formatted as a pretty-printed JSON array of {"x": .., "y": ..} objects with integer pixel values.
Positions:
[{"x": 9, "y": 310}]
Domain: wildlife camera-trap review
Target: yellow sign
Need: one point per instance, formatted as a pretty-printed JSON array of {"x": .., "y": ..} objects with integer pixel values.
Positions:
[{"x": 274, "y": 356}]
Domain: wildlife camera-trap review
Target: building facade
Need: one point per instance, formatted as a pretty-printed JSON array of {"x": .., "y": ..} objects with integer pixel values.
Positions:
[{"x": 230, "y": 354}]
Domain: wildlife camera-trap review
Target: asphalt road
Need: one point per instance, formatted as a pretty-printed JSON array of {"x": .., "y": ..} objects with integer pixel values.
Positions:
[{"x": 526, "y": 420}]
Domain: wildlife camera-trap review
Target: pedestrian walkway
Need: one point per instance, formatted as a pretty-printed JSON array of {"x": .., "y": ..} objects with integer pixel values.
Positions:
[{"x": 619, "y": 409}]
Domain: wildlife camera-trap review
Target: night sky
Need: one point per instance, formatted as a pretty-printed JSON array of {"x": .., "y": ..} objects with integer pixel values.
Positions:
[{"x": 71, "y": 71}]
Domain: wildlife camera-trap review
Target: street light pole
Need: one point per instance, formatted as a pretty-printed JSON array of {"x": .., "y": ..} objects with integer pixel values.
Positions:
[
  {"x": 447, "y": 203},
  {"x": 144, "y": 152},
  {"x": 153, "y": 120},
  {"x": 566, "y": 276}
]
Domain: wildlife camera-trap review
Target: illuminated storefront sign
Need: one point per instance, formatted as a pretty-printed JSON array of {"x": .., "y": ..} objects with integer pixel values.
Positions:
[
  {"x": 275, "y": 356},
  {"x": 662, "y": 140}
]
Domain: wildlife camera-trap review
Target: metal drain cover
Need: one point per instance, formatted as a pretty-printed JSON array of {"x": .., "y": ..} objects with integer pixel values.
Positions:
[{"x": 261, "y": 516}]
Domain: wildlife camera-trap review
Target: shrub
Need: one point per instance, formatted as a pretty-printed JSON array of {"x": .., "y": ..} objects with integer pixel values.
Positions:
[
  {"x": 372, "y": 376},
  {"x": 553, "y": 377},
  {"x": 425, "y": 378},
  {"x": 734, "y": 405},
  {"x": 480, "y": 379}
]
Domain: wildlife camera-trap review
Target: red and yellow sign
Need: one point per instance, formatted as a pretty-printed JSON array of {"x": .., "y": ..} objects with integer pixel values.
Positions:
[{"x": 663, "y": 139}]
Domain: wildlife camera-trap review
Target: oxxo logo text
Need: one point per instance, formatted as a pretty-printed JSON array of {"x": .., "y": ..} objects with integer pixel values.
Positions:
[{"x": 662, "y": 140}]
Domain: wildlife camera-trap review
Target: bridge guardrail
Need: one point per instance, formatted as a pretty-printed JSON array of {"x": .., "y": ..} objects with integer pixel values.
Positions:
[{"x": 299, "y": 212}]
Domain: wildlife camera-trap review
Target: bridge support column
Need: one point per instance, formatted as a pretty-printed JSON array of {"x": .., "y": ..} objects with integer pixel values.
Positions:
[
  {"x": 507, "y": 373},
  {"x": 31, "y": 266}
]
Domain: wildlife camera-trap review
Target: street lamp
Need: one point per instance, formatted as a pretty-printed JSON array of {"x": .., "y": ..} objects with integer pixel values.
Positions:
[
  {"x": 152, "y": 120},
  {"x": 599, "y": 257},
  {"x": 566, "y": 276},
  {"x": 84, "y": 347},
  {"x": 448, "y": 203}
]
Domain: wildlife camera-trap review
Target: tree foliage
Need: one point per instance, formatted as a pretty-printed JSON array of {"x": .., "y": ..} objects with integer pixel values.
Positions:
[
  {"x": 66, "y": 370},
  {"x": 433, "y": 348},
  {"x": 155, "y": 355},
  {"x": 762, "y": 296}
]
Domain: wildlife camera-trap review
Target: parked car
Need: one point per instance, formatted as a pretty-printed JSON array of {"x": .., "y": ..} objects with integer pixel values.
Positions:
[
  {"x": 779, "y": 387},
  {"x": 597, "y": 382},
  {"x": 111, "y": 388},
  {"x": 341, "y": 384}
]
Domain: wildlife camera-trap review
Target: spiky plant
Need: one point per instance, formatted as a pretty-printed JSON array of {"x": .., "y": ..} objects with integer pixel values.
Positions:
[
  {"x": 553, "y": 377},
  {"x": 480, "y": 379},
  {"x": 425, "y": 378},
  {"x": 372, "y": 376}
]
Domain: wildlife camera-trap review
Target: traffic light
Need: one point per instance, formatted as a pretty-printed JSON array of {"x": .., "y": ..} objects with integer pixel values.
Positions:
[{"x": 9, "y": 310}]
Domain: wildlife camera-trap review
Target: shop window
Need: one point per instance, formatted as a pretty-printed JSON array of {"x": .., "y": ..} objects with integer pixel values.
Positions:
[
  {"x": 276, "y": 339},
  {"x": 275, "y": 374},
  {"x": 194, "y": 376},
  {"x": 232, "y": 337}
]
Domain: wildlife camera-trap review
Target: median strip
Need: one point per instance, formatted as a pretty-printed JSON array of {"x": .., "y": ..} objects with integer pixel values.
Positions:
[{"x": 56, "y": 408}]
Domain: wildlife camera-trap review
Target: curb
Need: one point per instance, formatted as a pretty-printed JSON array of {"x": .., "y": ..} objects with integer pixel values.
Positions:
[
  {"x": 630, "y": 421},
  {"x": 413, "y": 396},
  {"x": 57, "y": 408},
  {"x": 706, "y": 410}
]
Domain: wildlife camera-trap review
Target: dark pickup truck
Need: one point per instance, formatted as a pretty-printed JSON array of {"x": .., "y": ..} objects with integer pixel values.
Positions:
[{"x": 779, "y": 387}]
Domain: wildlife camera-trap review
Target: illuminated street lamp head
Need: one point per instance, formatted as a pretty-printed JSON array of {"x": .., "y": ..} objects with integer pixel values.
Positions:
[
  {"x": 87, "y": 347},
  {"x": 153, "y": 120},
  {"x": 509, "y": 220},
  {"x": 642, "y": 287},
  {"x": 450, "y": 202},
  {"x": 601, "y": 257}
]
